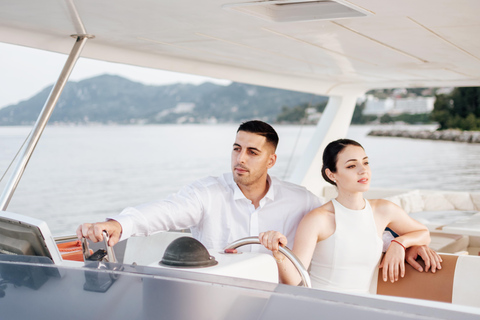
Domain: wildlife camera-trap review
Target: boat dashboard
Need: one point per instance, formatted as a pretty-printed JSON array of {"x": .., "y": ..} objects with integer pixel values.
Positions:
[{"x": 35, "y": 279}]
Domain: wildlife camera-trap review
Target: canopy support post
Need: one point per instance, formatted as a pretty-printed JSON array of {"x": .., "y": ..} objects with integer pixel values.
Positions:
[
  {"x": 42, "y": 120},
  {"x": 333, "y": 125}
]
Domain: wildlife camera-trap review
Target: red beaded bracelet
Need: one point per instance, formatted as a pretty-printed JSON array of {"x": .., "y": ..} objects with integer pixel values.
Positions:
[{"x": 399, "y": 244}]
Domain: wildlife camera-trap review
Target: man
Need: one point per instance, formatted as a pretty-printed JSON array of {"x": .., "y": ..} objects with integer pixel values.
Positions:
[{"x": 219, "y": 210}]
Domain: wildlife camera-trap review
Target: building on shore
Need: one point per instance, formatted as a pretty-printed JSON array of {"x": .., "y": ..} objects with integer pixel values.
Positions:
[{"x": 396, "y": 106}]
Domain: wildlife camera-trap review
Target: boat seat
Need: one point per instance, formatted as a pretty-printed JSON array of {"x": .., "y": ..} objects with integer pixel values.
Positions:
[
  {"x": 448, "y": 243},
  {"x": 457, "y": 282},
  {"x": 72, "y": 250}
]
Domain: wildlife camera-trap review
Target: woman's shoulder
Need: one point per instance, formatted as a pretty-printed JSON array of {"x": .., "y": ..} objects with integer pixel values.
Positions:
[
  {"x": 323, "y": 212},
  {"x": 383, "y": 205},
  {"x": 320, "y": 222}
]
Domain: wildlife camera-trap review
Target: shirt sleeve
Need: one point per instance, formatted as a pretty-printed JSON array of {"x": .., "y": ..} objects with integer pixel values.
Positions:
[
  {"x": 181, "y": 210},
  {"x": 387, "y": 238}
]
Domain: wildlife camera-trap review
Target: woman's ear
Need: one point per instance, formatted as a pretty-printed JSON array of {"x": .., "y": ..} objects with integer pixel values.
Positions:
[{"x": 330, "y": 174}]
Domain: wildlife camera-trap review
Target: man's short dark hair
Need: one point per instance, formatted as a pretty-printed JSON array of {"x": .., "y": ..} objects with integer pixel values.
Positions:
[{"x": 261, "y": 128}]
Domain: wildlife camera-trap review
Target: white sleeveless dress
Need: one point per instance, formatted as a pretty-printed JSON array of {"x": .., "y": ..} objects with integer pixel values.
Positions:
[{"x": 346, "y": 260}]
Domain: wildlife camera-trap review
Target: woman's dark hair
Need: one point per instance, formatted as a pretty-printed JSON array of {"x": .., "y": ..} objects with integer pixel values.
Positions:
[
  {"x": 330, "y": 155},
  {"x": 261, "y": 128}
]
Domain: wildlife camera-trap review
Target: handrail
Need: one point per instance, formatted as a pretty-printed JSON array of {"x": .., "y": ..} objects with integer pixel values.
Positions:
[
  {"x": 284, "y": 250},
  {"x": 42, "y": 120},
  {"x": 65, "y": 238}
]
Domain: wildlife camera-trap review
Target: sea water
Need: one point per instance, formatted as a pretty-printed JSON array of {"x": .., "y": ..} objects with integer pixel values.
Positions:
[{"x": 87, "y": 173}]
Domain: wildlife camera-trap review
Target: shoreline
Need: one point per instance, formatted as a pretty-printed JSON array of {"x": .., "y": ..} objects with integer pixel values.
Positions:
[{"x": 444, "y": 135}]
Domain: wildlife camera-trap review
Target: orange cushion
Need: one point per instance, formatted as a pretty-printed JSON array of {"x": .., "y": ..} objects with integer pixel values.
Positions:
[{"x": 71, "y": 250}]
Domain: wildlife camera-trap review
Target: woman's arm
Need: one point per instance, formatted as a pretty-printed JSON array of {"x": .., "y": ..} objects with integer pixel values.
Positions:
[{"x": 411, "y": 233}]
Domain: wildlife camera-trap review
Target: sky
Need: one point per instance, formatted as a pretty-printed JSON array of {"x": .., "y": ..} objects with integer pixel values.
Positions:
[{"x": 24, "y": 72}]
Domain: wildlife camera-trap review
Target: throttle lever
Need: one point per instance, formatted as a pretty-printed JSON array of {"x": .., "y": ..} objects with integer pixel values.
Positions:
[{"x": 107, "y": 255}]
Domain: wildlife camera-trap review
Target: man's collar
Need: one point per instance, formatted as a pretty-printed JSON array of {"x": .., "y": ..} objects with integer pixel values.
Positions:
[
  {"x": 238, "y": 194},
  {"x": 271, "y": 190}
]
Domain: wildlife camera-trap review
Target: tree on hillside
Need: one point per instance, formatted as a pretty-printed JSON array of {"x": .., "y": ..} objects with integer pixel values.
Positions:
[
  {"x": 460, "y": 109},
  {"x": 466, "y": 101},
  {"x": 386, "y": 118},
  {"x": 358, "y": 116},
  {"x": 295, "y": 114},
  {"x": 442, "y": 110},
  {"x": 298, "y": 114}
]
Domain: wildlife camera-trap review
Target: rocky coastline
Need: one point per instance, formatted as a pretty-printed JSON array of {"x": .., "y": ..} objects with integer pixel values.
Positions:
[{"x": 445, "y": 135}]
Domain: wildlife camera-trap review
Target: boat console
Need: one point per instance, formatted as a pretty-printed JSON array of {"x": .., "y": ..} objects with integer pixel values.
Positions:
[
  {"x": 29, "y": 256},
  {"x": 22, "y": 235}
]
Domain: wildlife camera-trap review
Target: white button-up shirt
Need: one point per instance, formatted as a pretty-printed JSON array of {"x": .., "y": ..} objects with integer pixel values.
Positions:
[{"x": 217, "y": 212}]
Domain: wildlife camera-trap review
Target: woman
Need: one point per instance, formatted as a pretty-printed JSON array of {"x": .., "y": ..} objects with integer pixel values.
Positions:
[{"x": 344, "y": 236}]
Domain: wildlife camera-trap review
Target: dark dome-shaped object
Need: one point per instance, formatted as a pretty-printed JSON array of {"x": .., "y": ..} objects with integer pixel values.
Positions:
[{"x": 187, "y": 252}]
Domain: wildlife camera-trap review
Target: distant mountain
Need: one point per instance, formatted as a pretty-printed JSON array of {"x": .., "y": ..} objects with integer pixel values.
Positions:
[{"x": 113, "y": 99}]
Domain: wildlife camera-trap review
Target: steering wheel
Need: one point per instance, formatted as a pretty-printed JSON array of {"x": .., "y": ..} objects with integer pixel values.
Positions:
[{"x": 284, "y": 250}]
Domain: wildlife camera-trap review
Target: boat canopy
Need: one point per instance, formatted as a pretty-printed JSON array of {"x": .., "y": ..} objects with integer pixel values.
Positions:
[{"x": 324, "y": 47}]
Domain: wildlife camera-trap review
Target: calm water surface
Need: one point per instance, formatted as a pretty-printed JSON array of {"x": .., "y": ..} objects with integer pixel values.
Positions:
[{"x": 80, "y": 174}]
